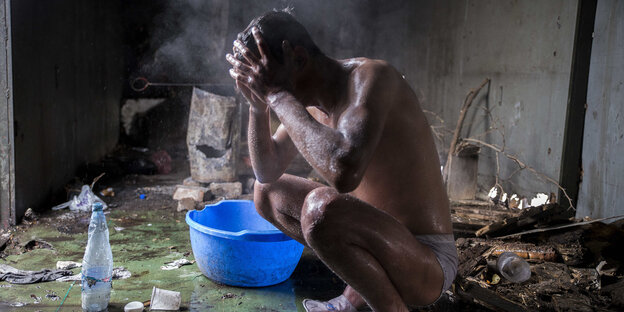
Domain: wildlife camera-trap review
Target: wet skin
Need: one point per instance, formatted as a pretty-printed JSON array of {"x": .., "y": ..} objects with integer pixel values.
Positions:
[{"x": 359, "y": 124}]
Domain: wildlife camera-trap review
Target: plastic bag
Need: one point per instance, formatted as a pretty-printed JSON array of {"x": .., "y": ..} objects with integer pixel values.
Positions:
[{"x": 81, "y": 202}]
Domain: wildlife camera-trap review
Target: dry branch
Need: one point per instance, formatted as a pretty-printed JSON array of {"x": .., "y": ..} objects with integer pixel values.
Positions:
[{"x": 462, "y": 115}]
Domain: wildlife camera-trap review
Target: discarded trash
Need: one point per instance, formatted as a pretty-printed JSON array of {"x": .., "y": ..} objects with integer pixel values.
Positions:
[
  {"x": 539, "y": 199},
  {"x": 29, "y": 216},
  {"x": 142, "y": 196},
  {"x": 82, "y": 202},
  {"x": 513, "y": 268},
  {"x": 67, "y": 265},
  {"x": 121, "y": 273},
  {"x": 165, "y": 299},
  {"x": 119, "y": 228},
  {"x": 97, "y": 264},
  {"x": 109, "y": 191},
  {"x": 118, "y": 273},
  {"x": 134, "y": 306},
  {"x": 37, "y": 244},
  {"x": 15, "y": 276},
  {"x": 176, "y": 264}
]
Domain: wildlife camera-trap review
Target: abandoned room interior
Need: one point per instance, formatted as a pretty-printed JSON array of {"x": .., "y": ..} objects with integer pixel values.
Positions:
[{"x": 125, "y": 130}]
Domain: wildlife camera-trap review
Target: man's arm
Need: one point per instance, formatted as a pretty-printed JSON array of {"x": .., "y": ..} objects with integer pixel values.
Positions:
[
  {"x": 270, "y": 155},
  {"x": 340, "y": 155}
]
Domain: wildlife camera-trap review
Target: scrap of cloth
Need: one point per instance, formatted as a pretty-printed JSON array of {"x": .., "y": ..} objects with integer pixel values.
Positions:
[{"x": 15, "y": 276}]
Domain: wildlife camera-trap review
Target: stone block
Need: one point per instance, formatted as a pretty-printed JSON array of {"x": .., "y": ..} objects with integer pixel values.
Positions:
[
  {"x": 197, "y": 193},
  {"x": 226, "y": 190},
  {"x": 186, "y": 204},
  {"x": 213, "y": 136}
]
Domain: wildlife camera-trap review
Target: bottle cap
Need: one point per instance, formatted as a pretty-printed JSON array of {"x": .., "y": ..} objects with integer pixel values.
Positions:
[{"x": 97, "y": 206}]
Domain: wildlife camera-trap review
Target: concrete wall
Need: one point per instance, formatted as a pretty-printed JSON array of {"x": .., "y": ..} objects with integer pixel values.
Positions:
[
  {"x": 7, "y": 208},
  {"x": 602, "y": 186},
  {"x": 444, "y": 48},
  {"x": 67, "y": 77},
  {"x": 524, "y": 47}
]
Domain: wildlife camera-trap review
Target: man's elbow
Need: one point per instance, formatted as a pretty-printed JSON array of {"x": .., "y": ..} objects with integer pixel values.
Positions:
[{"x": 346, "y": 181}]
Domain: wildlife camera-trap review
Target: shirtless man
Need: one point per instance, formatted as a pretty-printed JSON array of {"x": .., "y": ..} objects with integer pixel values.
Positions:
[{"x": 383, "y": 225}]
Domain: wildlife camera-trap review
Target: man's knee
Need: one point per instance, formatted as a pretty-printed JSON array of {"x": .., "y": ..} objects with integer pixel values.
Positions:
[{"x": 321, "y": 211}]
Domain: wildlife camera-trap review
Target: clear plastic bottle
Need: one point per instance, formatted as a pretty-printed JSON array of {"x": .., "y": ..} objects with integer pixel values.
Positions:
[
  {"x": 513, "y": 268},
  {"x": 97, "y": 264}
]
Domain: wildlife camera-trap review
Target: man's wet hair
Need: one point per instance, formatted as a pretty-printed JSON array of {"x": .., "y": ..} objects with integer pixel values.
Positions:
[{"x": 275, "y": 27}]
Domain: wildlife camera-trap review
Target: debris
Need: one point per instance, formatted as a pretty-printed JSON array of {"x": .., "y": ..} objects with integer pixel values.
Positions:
[
  {"x": 118, "y": 273},
  {"x": 197, "y": 193},
  {"x": 165, "y": 299},
  {"x": 607, "y": 272},
  {"x": 142, "y": 196},
  {"x": 108, "y": 192},
  {"x": 121, "y": 273},
  {"x": 134, "y": 306},
  {"x": 539, "y": 200},
  {"x": 52, "y": 296},
  {"x": 186, "y": 204},
  {"x": 176, "y": 264},
  {"x": 513, "y": 268},
  {"x": 471, "y": 291},
  {"x": 226, "y": 190},
  {"x": 190, "y": 182},
  {"x": 527, "y": 251},
  {"x": 35, "y": 298},
  {"x": 119, "y": 228},
  {"x": 162, "y": 160},
  {"x": 529, "y": 218},
  {"x": 15, "y": 276},
  {"x": 81, "y": 202},
  {"x": 37, "y": 244},
  {"x": 29, "y": 216},
  {"x": 67, "y": 265},
  {"x": 228, "y": 296}
]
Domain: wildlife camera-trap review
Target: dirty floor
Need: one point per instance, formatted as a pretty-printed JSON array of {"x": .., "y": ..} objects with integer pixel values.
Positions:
[{"x": 144, "y": 235}]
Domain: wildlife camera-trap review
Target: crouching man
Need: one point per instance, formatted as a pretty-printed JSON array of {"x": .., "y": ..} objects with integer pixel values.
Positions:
[{"x": 383, "y": 225}]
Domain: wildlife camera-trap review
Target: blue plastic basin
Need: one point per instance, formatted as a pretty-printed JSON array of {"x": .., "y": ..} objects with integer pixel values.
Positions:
[{"x": 233, "y": 245}]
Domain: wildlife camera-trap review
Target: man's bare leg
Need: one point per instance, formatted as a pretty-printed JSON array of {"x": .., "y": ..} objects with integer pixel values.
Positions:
[
  {"x": 371, "y": 251},
  {"x": 280, "y": 203}
]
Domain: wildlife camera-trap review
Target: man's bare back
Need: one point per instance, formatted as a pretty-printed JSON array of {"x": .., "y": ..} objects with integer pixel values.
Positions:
[
  {"x": 358, "y": 123},
  {"x": 403, "y": 174}
]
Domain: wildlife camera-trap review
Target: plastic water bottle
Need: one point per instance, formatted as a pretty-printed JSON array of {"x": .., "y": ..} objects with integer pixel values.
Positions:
[
  {"x": 97, "y": 264},
  {"x": 513, "y": 267}
]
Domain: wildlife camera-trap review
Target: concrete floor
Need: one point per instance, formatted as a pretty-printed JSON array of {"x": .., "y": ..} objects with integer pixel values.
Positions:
[{"x": 153, "y": 233}]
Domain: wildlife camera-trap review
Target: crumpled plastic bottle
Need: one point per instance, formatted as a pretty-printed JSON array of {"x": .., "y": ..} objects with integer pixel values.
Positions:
[
  {"x": 82, "y": 202},
  {"x": 513, "y": 268}
]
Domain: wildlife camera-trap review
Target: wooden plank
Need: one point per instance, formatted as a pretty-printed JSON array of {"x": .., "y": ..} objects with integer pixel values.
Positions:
[{"x": 489, "y": 298}]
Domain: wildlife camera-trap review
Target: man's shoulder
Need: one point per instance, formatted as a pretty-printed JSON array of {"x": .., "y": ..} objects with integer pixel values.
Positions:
[{"x": 367, "y": 65}]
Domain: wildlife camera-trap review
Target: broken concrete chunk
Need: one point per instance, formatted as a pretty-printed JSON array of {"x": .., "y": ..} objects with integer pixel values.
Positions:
[
  {"x": 197, "y": 193},
  {"x": 213, "y": 136},
  {"x": 186, "y": 204},
  {"x": 227, "y": 190}
]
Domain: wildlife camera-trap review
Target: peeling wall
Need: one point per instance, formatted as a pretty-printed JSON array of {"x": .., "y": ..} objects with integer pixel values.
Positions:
[
  {"x": 602, "y": 186},
  {"x": 67, "y": 70}
]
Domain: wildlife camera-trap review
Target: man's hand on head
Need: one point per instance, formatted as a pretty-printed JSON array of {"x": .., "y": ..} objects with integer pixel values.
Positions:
[{"x": 258, "y": 77}]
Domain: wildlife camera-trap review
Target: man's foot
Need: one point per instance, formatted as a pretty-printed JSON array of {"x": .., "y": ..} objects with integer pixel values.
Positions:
[{"x": 339, "y": 303}]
